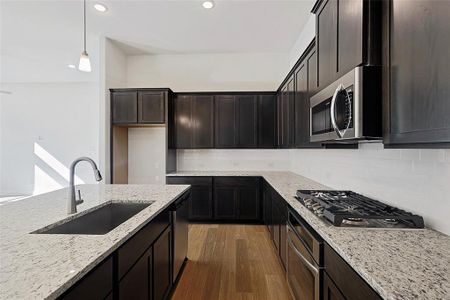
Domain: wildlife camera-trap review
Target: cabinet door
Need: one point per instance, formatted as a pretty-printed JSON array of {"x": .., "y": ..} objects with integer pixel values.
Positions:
[
  {"x": 329, "y": 290},
  {"x": 417, "y": 75},
  {"x": 202, "y": 121},
  {"x": 267, "y": 201},
  {"x": 151, "y": 107},
  {"x": 326, "y": 39},
  {"x": 137, "y": 283},
  {"x": 201, "y": 203},
  {"x": 267, "y": 121},
  {"x": 311, "y": 61},
  {"x": 97, "y": 284},
  {"x": 246, "y": 121},
  {"x": 249, "y": 202},
  {"x": 349, "y": 35},
  {"x": 161, "y": 266},
  {"x": 287, "y": 114},
  {"x": 183, "y": 122},
  {"x": 283, "y": 234},
  {"x": 124, "y": 107},
  {"x": 225, "y": 200},
  {"x": 225, "y": 122}
]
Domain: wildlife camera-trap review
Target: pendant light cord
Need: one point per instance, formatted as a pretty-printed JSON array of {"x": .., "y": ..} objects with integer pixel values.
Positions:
[{"x": 84, "y": 23}]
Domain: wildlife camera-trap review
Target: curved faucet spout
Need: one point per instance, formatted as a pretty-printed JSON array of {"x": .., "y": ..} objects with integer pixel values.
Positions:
[{"x": 73, "y": 202}]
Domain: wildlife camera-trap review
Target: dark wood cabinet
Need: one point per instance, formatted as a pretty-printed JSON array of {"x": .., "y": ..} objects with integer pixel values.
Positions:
[
  {"x": 236, "y": 121},
  {"x": 138, "y": 283},
  {"x": 302, "y": 95},
  {"x": 162, "y": 265},
  {"x": 329, "y": 290},
  {"x": 416, "y": 72},
  {"x": 124, "y": 107},
  {"x": 139, "y": 106},
  {"x": 97, "y": 284},
  {"x": 151, "y": 107},
  {"x": 237, "y": 198},
  {"x": 344, "y": 281},
  {"x": 247, "y": 121},
  {"x": 201, "y": 202},
  {"x": 225, "y": 121},
  {"x": 267, "y": 207},
  {"x": 347, "y": 35},
  {"x": 267, "y": 111},
  {"x": 286, "y": 114},
  {"x": 194, "y": 123},
  {"x": 225, "y": 202},
  {"x": 311, "y": 63},
  {"x": 279, "y": 219}
]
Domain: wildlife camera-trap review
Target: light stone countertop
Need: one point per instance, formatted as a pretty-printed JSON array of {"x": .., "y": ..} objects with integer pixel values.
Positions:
[
  {"x": 37, "y": 266},
  {"x": 398, "y": 264}
]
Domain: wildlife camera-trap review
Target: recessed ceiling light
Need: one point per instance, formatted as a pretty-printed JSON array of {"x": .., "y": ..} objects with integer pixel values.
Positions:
[
  {"x": 208, "y": 4},
  {"x": 71, "y": 66},
  {"x": 100, "y": 7}
]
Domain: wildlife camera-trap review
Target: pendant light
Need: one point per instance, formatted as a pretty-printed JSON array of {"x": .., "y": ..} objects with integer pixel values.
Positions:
[{"x": 85, "y": 63}]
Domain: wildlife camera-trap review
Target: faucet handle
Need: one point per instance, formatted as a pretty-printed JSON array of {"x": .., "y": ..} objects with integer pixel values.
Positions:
[{"x": 79, "y": 200}]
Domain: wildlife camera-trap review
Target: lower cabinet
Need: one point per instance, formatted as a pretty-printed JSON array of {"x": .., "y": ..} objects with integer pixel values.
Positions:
[
  {"x": 329, "y": 290},
  {"x": 341, "y": 281},
  {"x": 161, "y": 265},
  {"x": 267, "y": 207},
  {"x": 97, "y": 284},
  {"x": 237, "y": 198},
  {"x": 201, "y": 204},
  {"x": 137, "y": 283},
  {"x": 279, "y": 219}
]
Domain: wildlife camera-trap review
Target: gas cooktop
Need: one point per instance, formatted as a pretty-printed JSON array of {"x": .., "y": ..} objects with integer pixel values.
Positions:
[{"x": 349, "y": 209}]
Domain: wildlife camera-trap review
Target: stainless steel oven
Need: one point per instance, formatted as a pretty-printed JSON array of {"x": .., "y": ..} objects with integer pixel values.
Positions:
[
  {"x": 303, "y": 267},
  {"x": 349, "y": 108}
]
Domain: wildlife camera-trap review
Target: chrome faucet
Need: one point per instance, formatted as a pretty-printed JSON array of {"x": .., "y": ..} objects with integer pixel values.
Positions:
[{"x": 73, "y": 201}]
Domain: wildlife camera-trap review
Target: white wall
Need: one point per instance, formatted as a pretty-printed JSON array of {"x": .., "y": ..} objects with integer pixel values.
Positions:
[
  {"x": 112, "y": 75},
  {"x": 208, "y": 72},
  {"x": 146, "y": 155},
  {"x": 45, "y": 126}
]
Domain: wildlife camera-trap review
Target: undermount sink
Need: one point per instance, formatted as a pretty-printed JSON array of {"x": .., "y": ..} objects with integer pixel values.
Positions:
[{"x": 98, "y": 221}]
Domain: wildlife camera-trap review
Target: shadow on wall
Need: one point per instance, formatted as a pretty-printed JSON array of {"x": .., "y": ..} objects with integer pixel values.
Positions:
[{"x": 49, "y": 173}]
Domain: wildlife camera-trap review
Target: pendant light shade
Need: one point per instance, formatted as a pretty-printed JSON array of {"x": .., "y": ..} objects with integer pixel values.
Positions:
[{"x": 85, "y": 63}]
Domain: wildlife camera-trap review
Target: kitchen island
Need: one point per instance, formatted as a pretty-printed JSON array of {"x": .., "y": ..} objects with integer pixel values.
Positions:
[{"x": 37, "y": 266}]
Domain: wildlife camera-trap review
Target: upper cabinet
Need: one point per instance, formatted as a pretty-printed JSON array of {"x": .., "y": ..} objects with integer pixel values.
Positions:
[
  {"x": 236, "y": 121},
  {"x": 416, "y": 72},
  {"x": 286, "y": 115},
  {"x": 267, "y": 109},
  {"x": 194, "y": 124},
  {"x": 138, "y": 106},
  {"x": 347, "y": 35}
]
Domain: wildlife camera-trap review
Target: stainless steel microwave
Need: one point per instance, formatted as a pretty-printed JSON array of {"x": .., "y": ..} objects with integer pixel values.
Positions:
[{"x": 349, "y": 109}]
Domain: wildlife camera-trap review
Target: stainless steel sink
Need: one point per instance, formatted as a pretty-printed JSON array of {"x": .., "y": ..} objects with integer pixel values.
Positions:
[{"x": 99, "y": 221}]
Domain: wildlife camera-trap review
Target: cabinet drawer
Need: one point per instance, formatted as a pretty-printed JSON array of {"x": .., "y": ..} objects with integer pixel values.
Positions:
[
  {"x": 95, "y": 285},
  {"x": 346, "y": 279},
  {"x": 130, "y": 252},
  {"x": 235, "y": 181},
  {"x": 189, "y": 180}
]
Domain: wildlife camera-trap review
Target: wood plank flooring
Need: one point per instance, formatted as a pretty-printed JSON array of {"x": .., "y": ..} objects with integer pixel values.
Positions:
[{"x": 231, "y": 261}]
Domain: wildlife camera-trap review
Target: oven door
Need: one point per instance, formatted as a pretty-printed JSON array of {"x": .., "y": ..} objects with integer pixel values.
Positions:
[{"x": 303, "y": 273}]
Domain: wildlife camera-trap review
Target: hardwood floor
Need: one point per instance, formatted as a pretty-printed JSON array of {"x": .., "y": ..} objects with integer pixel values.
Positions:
[{"x": 231, "y": 261}]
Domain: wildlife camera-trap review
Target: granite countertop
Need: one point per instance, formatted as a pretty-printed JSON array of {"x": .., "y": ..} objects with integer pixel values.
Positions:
[
  {"x": 36, "y": 266},
  {"x": 398, "y": 264}
]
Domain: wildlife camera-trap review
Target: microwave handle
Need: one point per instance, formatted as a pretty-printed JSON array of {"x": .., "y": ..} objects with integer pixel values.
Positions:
[{"x": 333, "y": 108}]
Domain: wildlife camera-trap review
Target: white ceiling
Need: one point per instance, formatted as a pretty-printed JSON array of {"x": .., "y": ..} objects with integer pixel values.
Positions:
[{"x": 48, "y": 34}]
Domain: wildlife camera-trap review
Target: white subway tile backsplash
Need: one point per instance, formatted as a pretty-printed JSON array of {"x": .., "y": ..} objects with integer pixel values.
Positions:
[
  {"x": 412, "y": 179},
  {"x": 432, "y": 155}
]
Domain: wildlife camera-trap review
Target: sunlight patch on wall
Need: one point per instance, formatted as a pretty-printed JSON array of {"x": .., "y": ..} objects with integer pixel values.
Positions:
[
  {"x": 55, "y": 164},
  {"x": 43, "y": 182}
]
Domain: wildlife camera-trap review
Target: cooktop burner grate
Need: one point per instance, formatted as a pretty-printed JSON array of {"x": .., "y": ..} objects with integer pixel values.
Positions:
[{"x": 347, "y": 208}]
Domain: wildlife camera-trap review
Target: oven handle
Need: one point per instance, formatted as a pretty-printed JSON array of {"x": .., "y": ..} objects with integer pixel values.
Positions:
[
  {"x": 333, "y": 108},
  {"x": 309, "y": 265}
]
